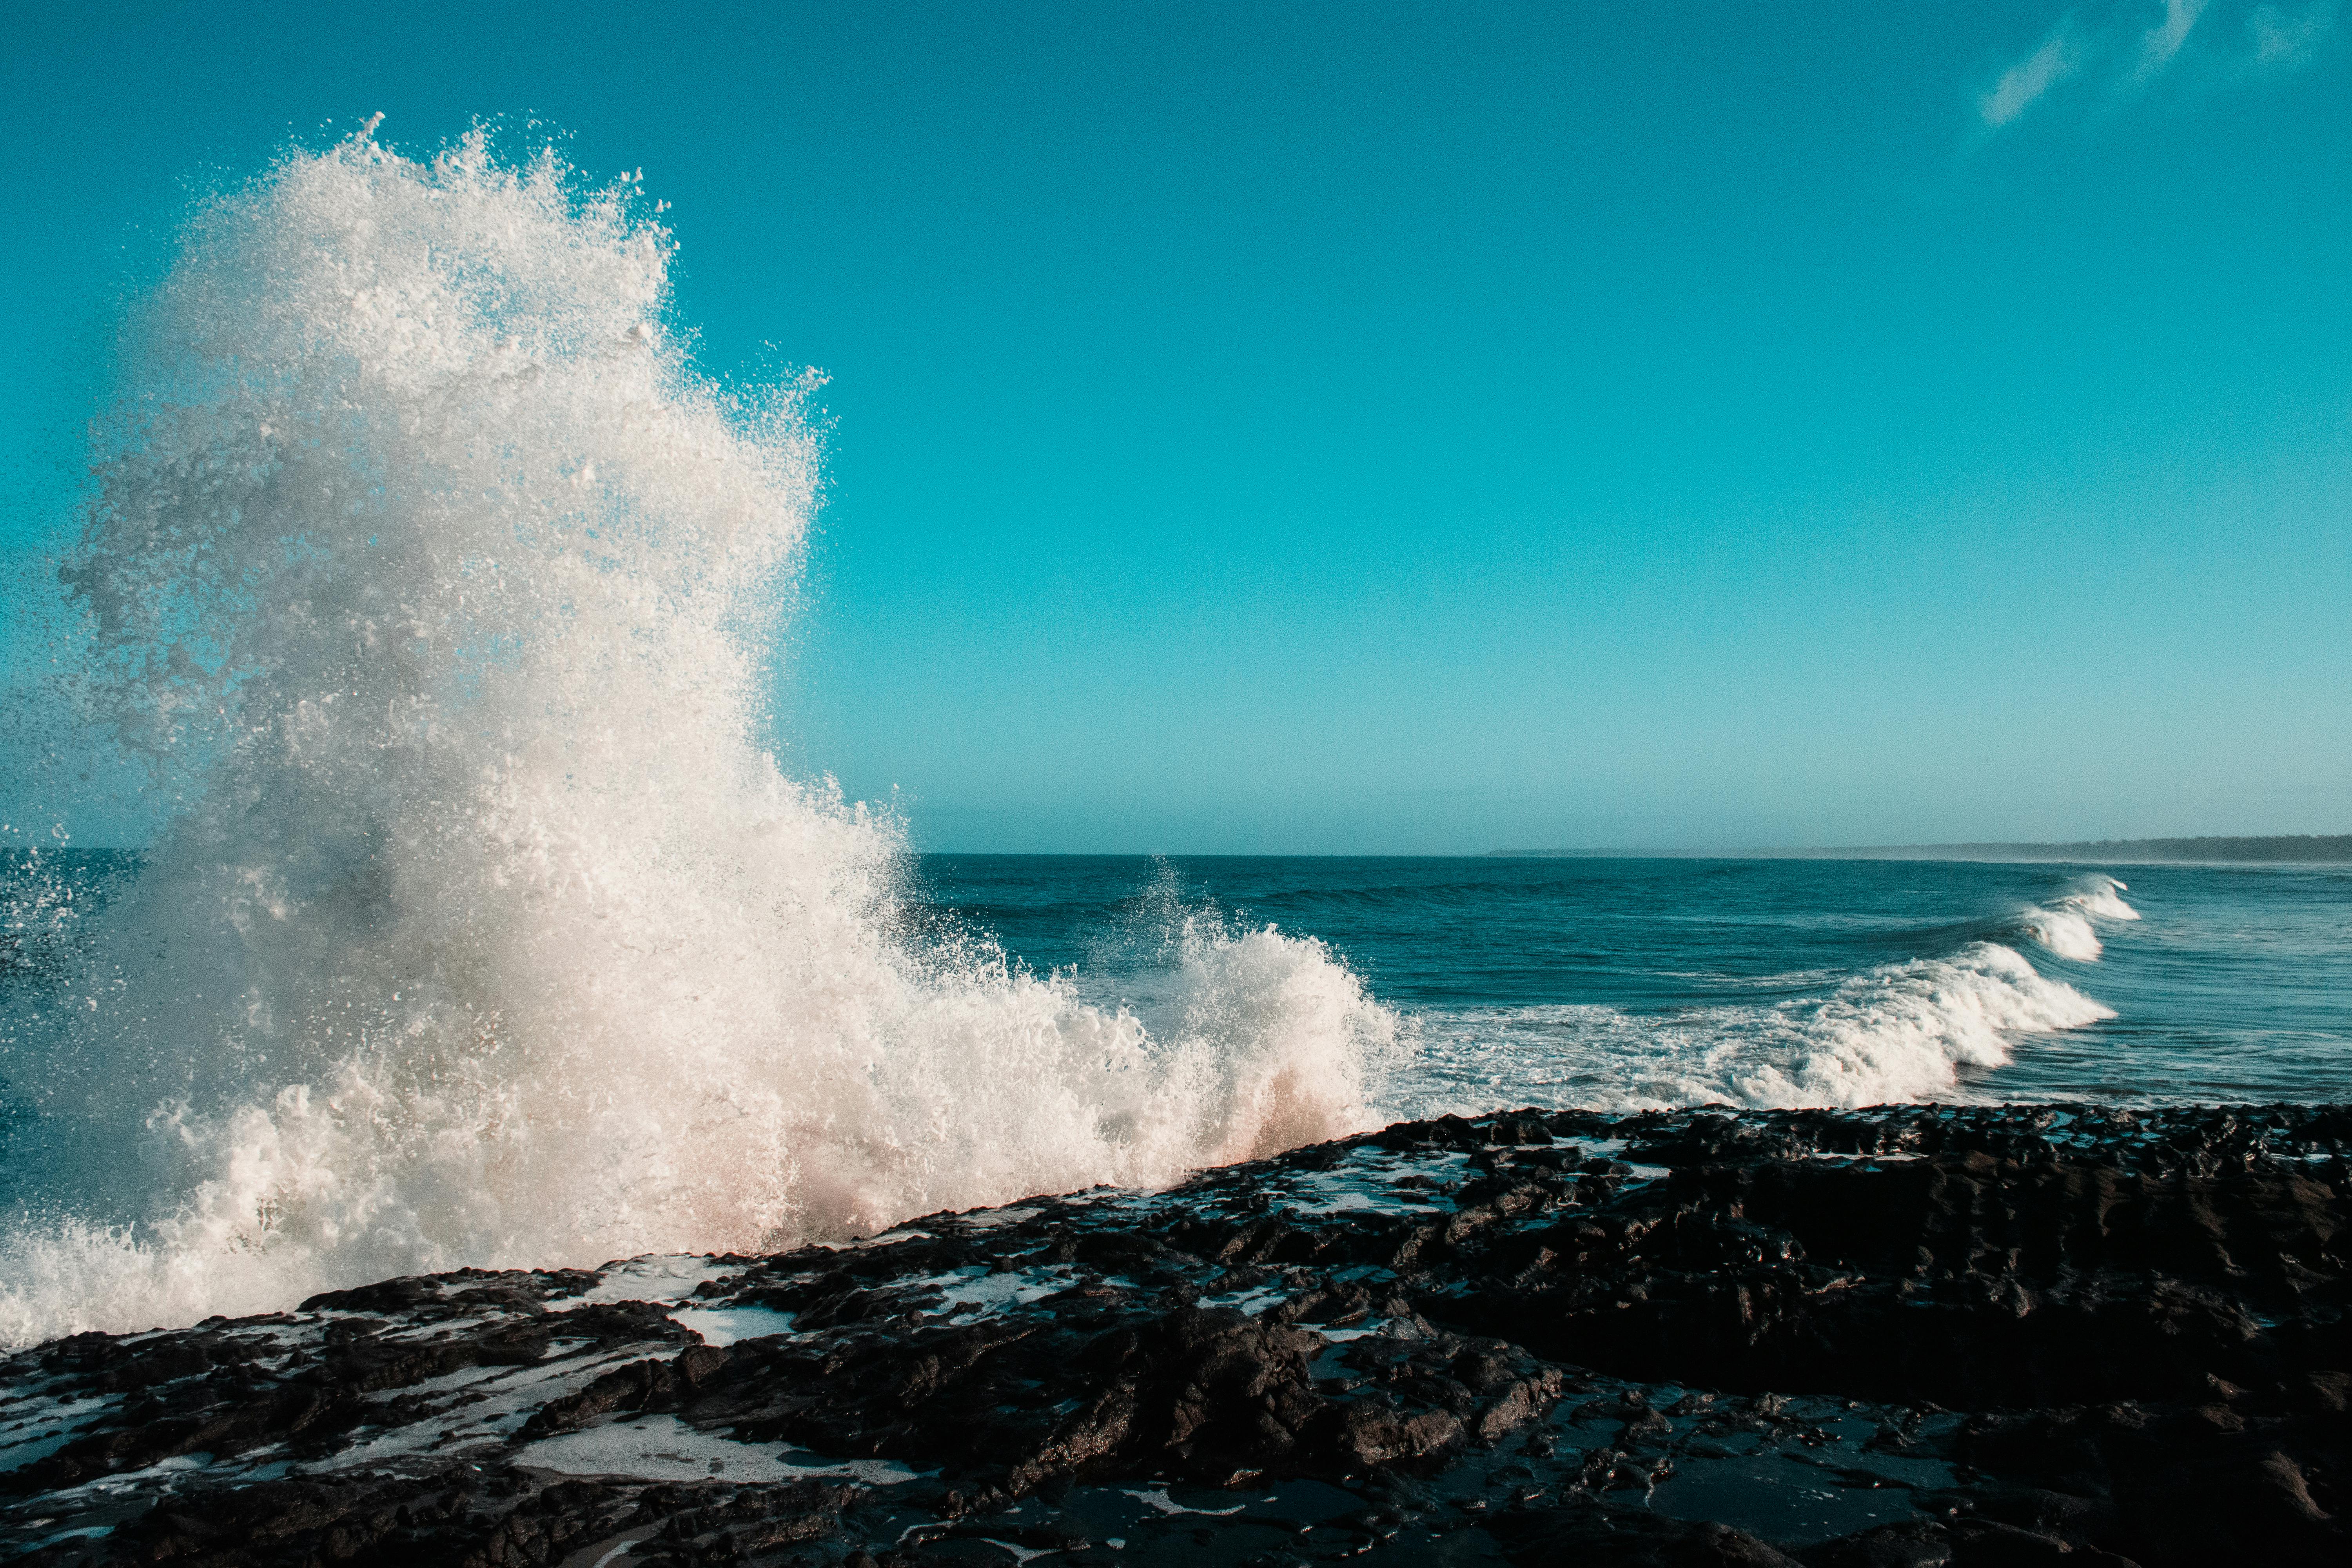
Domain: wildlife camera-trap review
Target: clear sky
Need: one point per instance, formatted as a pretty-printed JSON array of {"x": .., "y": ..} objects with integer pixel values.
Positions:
[{"x": 1366, "y": 428}]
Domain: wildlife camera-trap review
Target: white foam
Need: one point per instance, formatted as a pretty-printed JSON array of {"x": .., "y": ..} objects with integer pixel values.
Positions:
[
  {"x": 1159, "y": 1502},
  {"x": 1365, "y": 1181},
  {"x": 441, "y": 597},
  {"x": 2064, "y": 931},
  {"x": 1899, "y": 1032},
  {"x": 665, "y": 1448},
  {"x": 2096, "y": 893},
  {"x": 2067, "y": 926},
  {"x": 660, "y": 1279}
]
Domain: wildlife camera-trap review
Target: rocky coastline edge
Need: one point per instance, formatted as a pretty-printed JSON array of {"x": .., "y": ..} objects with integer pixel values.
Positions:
[{"x": 1912, "y": 1335}]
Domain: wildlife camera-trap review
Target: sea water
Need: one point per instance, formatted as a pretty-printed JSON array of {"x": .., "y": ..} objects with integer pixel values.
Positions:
[
  {"x": 431, "y": 594},
  {"x": 1625, "y": 983}
]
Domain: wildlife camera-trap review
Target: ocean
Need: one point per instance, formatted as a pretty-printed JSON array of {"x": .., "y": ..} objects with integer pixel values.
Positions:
[
  {"x": 1626, "y": 983},
  {"x": 437, "y": 596}
]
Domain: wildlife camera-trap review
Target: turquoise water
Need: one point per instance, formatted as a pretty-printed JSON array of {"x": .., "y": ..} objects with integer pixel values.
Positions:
[{"x": 1610, "y": 981}]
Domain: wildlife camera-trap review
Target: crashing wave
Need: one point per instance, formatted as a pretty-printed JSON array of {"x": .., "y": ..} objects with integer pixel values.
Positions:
[
  {"x": 1898, "y": 1032},
  {"x": 427, "y": 572},
  {"x": 2065, "y": 926}
]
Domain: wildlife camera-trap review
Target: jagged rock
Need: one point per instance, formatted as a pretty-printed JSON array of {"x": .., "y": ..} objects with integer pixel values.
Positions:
[{"x": 1911, "y": 1336}]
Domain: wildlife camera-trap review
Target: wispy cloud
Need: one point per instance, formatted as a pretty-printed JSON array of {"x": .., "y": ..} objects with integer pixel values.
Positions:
[
  {"x": 2023, "y": 83},
  {"x": 2148, "y": 39},
  {"x": 2161, "y": 42},
  {"x": 2284, "y": 37}
]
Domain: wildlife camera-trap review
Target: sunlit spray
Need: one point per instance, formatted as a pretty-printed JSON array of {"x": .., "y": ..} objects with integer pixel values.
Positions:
[{"x": 426, "y": 571}]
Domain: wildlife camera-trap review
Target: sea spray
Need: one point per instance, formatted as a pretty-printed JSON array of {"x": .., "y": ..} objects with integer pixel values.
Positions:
[{"x": 436, "y": 589}]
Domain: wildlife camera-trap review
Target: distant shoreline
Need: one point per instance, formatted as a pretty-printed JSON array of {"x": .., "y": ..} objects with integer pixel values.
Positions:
[{"x": 2285, "y": 849}]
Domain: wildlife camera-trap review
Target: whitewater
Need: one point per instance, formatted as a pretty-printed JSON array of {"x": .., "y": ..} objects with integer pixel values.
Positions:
[
  {"x": 439, "y": 592},
  {"x": 437, "y": 598}
]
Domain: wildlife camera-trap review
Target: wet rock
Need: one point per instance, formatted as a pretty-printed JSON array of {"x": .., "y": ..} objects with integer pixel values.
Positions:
[
  {"x": 1912, "y": 1544},
  {"x": 1632, "y": 1537},
  {"x": 1913, "y": 1336}
]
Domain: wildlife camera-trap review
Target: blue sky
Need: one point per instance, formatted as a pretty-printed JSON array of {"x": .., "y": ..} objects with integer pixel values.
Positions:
[{"x": 1426, "y": 428}]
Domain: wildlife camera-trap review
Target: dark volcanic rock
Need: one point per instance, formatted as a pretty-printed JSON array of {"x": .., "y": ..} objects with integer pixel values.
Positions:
[{"x": 1910, "y": 1336}]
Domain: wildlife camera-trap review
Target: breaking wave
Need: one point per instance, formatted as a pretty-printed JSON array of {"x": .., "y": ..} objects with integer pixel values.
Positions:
[
  {"x": 1899, "y": 1032},
  {"x": 1913, "y": 1030},
  {"x": 433, "y": 586},
  {"x": 2064, "y": 924}
]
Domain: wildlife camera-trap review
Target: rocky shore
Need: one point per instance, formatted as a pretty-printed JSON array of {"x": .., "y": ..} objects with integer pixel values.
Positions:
[{"x": 1919, "y": 1335}]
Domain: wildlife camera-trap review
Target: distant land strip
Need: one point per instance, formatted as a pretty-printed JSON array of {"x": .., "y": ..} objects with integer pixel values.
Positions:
[{"x": 2286, "y": 849}]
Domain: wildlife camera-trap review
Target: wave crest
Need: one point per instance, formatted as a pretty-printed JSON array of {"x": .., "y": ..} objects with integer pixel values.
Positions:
[
  {"x": 2067, "y": 926},
  {"x": 1898, "y": 1032}
]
